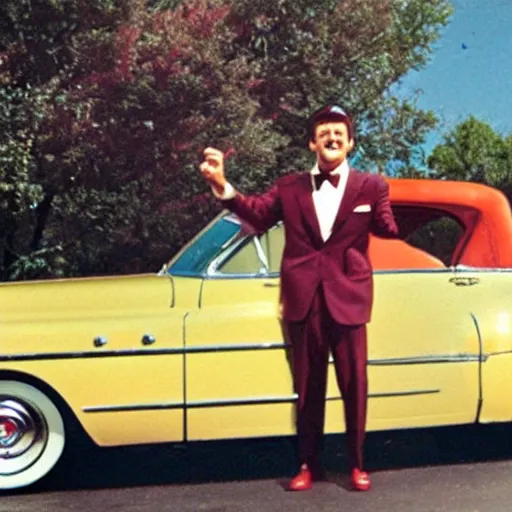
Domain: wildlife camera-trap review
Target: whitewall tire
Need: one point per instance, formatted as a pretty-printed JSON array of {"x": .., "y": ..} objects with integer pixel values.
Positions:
[{"x": 32, "y": 434}]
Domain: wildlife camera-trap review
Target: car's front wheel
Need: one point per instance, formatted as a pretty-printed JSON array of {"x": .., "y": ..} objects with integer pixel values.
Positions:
[{"x": 32, "y": 434}]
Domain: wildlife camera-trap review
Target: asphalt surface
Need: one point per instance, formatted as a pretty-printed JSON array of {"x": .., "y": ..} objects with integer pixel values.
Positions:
[{"x": 463, "y": 469}]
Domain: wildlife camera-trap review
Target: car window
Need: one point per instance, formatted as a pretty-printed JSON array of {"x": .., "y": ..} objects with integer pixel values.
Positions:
[
  {"x": 429, "y": 239},
  {"x": 257, "y": 255},
  {"x": 274, "y": 244},
  {"x": 195, "y": 258},
  {"x": 430, "y": 230},
  {"x": 248, "y": 257},
  {"x": 438, "y": 237}
]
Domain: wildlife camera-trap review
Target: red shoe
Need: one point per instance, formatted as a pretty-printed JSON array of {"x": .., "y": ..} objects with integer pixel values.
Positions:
[
  {"x": 360, "y": 480},
  {"x": 301, "y": 482}
]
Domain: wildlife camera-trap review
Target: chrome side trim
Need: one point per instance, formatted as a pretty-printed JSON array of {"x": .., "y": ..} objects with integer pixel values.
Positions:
[
  {"x": 133, "y": 407},
  {"x": 405, "y": 393},
  {"x": 502, "y": 353},
  {"x": 205, "y": 349},
  {"x": 216, "y": 275},
  {"x": 448, "y": 358},
  {"x": 498, "y": 270},
  {"x": 52, "y": 356},
  {"x": 480, "y": 376},
  {"x": 203, "y": 404},
  {"x": 141, "y": 352},
  {"x": 446, "y": 270},
  {"x": 231, "y": 402},
  {"x": 184, "y": 373}
]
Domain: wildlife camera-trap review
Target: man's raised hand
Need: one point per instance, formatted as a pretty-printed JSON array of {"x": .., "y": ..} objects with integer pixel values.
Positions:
[{"x": 212, "y": 168}]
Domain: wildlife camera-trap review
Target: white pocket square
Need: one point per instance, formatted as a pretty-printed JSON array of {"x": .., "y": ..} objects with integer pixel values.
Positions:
[{"x": 362, "y": 208}]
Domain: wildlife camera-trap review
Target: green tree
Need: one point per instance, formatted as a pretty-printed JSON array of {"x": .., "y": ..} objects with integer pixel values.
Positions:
[
  {"x": 119, "y": 97},
  {"x": 41, "y": 47},
  {"x": 115, "y": 156},
  {"x": 311, "y": 53},
  {"x": 18, "y": 194},
  {"x": 473, "y": 151}
]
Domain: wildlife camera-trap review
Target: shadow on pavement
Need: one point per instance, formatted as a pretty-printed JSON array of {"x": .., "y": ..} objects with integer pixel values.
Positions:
[{"x": 86, "y": 466}]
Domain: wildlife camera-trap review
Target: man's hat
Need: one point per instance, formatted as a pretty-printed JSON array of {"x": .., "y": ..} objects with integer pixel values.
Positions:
[{"x": 329, "y": 113}]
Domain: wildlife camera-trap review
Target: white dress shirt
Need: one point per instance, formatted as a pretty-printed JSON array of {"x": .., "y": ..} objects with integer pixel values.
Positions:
[{"x": 326, "y": 200}]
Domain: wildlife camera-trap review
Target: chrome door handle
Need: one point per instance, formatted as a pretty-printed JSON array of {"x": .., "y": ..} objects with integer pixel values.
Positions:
[
  {"x": 464, "y": 281},
  {"x": 270, "y": 285}
]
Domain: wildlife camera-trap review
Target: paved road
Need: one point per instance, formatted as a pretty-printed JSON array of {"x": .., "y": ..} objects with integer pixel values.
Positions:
[{"x": 452, "y": 470}]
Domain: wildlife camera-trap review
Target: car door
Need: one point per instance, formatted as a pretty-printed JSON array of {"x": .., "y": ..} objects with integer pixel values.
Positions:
[
  {"x": 424, "y": 345},
  {"x": 237, "y": 370}
]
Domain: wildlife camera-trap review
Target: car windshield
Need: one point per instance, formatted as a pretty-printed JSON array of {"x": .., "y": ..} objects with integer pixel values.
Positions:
[{"x": 194, "y": 259}]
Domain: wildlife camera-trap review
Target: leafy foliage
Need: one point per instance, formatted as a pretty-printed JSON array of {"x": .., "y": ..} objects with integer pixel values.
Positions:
[
  {"x": 107, "y": 104},
  {"x": 473, "y": 151},
  {"x": 313, "y": 53},
  {"x": 19, "y": 195}
]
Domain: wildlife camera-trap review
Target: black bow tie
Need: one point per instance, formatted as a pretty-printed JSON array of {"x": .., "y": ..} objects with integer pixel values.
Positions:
[{"x": 333, "y": 179}]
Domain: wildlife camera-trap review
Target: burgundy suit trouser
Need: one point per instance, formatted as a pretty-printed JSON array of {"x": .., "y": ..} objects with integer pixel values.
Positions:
[{"x": 312, "y": 339}]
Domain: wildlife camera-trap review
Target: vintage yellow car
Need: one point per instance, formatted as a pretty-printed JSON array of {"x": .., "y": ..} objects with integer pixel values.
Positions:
[{"x": 196, "y": 352}]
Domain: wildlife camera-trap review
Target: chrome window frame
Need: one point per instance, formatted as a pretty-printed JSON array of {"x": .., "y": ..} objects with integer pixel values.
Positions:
[
  {"x": 213, "y": 268},
  {"x": 213, "y": 271}
]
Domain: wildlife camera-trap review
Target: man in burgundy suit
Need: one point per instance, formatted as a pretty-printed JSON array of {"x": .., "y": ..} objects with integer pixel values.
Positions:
[{"x": 326, "y": 277}]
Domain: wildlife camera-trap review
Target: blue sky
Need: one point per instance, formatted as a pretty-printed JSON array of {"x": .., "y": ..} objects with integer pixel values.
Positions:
[{"x": 470, "y": 72}]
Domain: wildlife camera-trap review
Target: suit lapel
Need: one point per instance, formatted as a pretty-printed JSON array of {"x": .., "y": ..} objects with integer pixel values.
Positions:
[
  {"x": 353, "y": 188},
  {"x": 304, "y": 197}
]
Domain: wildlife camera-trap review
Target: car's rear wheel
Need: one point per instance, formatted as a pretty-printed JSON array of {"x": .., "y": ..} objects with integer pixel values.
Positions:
[{"x": 32, "y": 434}]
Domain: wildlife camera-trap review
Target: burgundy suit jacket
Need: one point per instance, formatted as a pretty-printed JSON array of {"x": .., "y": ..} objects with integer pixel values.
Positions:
[{"x": 340, "y": 264}]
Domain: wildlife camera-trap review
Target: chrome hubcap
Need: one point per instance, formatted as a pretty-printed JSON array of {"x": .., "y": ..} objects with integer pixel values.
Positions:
[
  {"x": 23, "y": 435},
  {"x": 10, "y": 431}
]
